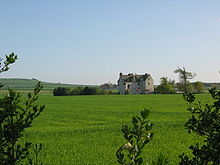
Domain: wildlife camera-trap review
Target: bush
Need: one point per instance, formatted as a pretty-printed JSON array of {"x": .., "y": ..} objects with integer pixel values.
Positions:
[
  {"x": 137, "y": 136},
  {"x": 88, "y": 91},
  {"x": 15, "y": 117},
  {"x": 63, "y": 91},
  {"x": 205, "y": 122}
]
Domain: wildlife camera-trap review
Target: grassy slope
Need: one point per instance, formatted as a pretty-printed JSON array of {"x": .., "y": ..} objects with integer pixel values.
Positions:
[
  {"x": 86, "y": 129},
  {"x": 21, "y": 84}
]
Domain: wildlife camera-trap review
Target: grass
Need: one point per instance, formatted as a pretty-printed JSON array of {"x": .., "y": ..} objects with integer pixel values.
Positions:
[
  {"x": 85, "y": 130},
  {"x": 28, "y": 84}
]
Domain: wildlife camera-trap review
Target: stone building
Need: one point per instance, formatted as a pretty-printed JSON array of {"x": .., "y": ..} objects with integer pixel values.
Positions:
[{"x": 135, "y": 84}]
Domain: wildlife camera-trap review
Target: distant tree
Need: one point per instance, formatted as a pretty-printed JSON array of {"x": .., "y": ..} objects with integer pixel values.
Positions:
[
  {"x": 108, "y": 86},
  {"x": 165, "y": 86},
  {"x": 180, "y": 87},
  {"x": 198, "y": 87},
  {"x": 88, "y": 91},
  {"x": 76, "y": 91},
  {"x": 62, "y": 91},
  {"x": 184, "y": 77}
]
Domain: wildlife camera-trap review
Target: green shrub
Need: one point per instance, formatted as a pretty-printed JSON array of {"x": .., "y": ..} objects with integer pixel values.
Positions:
[
  {"x": 62, "y": 91},
  {"x": 15, "y": 117},
  {"x": 137, "y": 136},
  {"x": 205, "y": 122}
]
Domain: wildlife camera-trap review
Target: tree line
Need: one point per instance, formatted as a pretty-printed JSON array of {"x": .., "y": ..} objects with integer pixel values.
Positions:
[
  {"x": 167, "y": 86},
  {"x": 64, "y": 91}
]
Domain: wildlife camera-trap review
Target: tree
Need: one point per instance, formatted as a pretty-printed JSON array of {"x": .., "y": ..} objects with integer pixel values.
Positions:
[
  {"x": 62, "y": 91},
  {"x": 14, "y": 118},
  {"x": 165, "y": 86},
  {"x": 205, "y": 122},
  {"x": 184, "y": 78},
  {"x": 198, "y": 87}
]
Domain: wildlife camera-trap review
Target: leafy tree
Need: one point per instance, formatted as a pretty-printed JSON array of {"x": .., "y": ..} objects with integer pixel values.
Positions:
[
  {"x": 76, "y": 91},
  {"x": 108, "y": 86},
  {"x": 205, "y": 122},
  {"x": 165, "y": 86},
  {"x": 89, "y": 91},
  {"x": 14, "y": 118},
  {"x": 137, "y": 136},
  {"x": 62, "y": 91},
  {"x": 198, "y": 87},
  {"x": 180, "y": 87},
  {"x": 184, "y": 78}
]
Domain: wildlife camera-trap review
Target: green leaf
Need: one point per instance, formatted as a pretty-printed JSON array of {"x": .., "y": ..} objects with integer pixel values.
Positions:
[
  {"x": 145, "y": 113},
  {"x": 134, "y": 120}
]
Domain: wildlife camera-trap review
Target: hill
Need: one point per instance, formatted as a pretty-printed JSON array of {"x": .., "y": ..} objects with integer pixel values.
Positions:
[
  {"x": 211, "y": 85},
  {"x": 26, "y": 84}
]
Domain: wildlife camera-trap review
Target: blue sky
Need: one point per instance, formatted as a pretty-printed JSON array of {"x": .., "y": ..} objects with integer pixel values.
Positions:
[{"x": 92, "y": 41}]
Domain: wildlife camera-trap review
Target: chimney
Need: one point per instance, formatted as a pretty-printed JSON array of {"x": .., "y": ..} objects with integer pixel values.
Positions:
[{"x": 120, "y": 75}]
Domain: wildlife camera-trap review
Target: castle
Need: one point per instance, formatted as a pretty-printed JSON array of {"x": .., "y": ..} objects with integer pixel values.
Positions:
[{"x": 135, "y": 84}]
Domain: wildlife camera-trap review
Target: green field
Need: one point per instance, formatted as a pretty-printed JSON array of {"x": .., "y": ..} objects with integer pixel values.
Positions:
[
  {"x": 28, "y": 84},
  {"x": 85, "y": 130}
]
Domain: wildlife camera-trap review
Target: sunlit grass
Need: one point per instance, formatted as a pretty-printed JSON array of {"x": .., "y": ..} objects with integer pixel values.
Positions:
[{"x": 86, "y": 129}]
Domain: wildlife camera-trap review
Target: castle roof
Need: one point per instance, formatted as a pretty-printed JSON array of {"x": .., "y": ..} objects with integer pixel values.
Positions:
[{"x": 133, "y": 77}]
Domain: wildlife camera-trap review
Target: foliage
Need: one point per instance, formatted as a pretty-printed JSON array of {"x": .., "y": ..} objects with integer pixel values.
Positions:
[
  {"x": 36, "y": 151},
  {"x": 161, "y": 160},
  {"x": 14, "y": 118},
  {"x": 198, "y": 87},
  {"x": 63, "y": 91},
  {"x": 184, "y": 76},
  {"x": 165, "y": 86},
  {"x": 108, "y": 86},
  {"x": 205, "y": 122},
  {"x": 10, "y": 59},
  {"x": 88, "y": 91},
  {"x": 188, "y": 87},
  {"x": 137, "y": 136}
]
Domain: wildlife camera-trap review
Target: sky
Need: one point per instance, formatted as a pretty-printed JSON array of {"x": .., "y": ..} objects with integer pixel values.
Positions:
[{"x": 91, "y": 41}]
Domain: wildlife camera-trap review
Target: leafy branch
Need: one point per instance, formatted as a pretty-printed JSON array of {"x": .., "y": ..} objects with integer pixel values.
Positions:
[{"x": 137, "y": 136}]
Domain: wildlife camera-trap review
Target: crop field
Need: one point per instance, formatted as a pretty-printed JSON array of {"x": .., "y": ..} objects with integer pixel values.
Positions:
[
  {"x": 85, "y": 130},
  {"x": 29, "y": 84}
]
